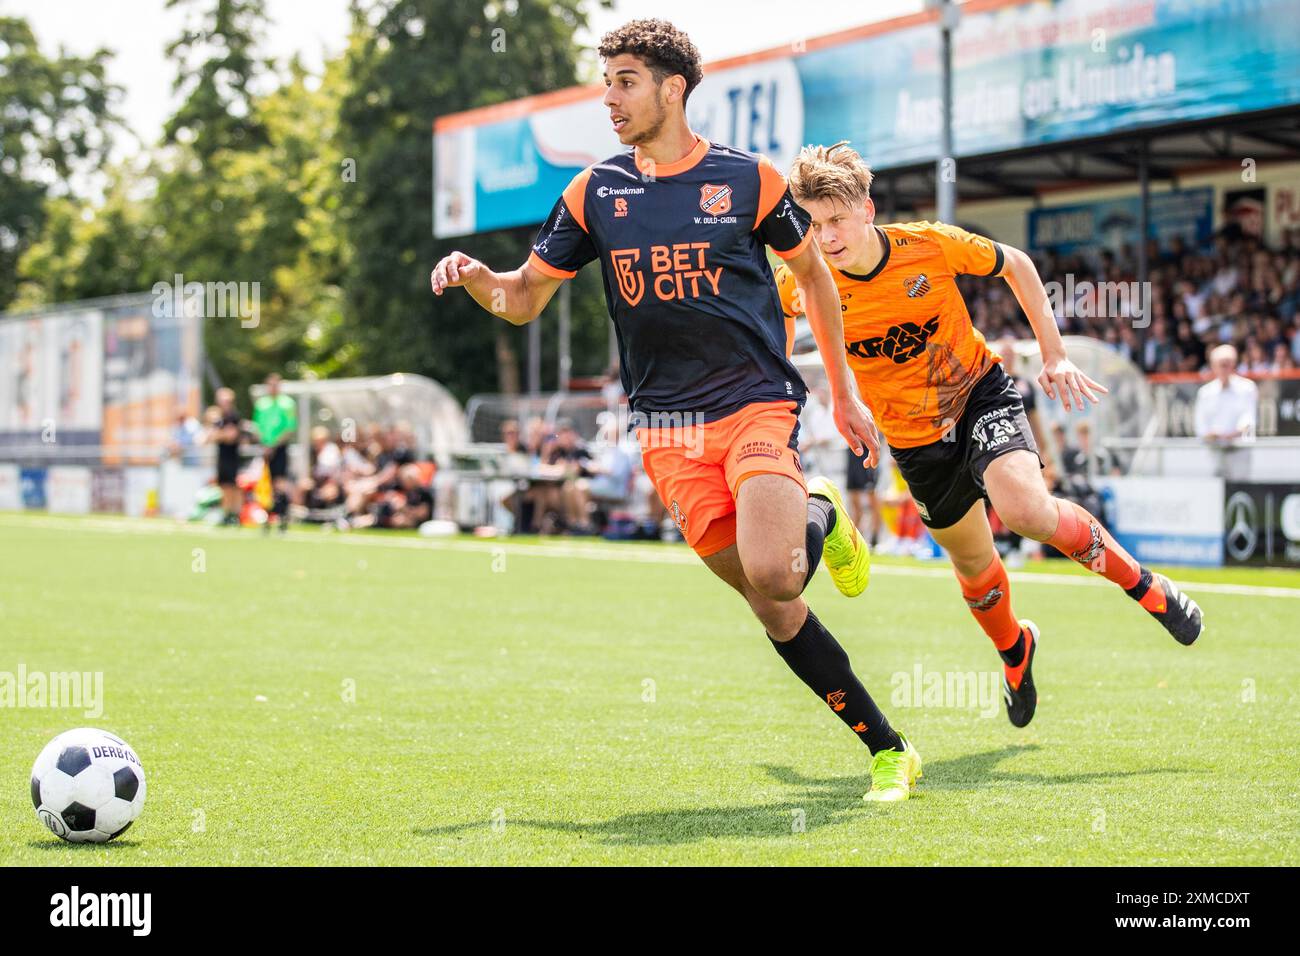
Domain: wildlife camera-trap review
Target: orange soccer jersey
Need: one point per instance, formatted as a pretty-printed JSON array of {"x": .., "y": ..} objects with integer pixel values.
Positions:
[{"x": 909, "y": 338}]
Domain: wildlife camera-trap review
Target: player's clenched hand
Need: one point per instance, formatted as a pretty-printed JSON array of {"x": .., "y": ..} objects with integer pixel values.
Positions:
[
  {"x": 855, "y": 423},
  {"x": 1063, "y": 376},
  {"x": 454, "y": 269}
]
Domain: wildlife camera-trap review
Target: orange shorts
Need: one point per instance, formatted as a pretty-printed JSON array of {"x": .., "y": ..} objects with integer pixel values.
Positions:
[{"x": 698, "y": 469}]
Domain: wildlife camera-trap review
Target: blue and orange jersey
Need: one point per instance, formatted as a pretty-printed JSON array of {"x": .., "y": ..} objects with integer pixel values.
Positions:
[
  {"x": 909, "y": 338},
  {"x": 687, "y": 280}
]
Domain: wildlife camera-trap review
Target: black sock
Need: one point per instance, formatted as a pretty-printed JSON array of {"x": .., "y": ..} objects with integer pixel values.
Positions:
[
  {"x": 1014, "y": 654},
  {"x": 281, "y": 506},
  {"x": 821, "y": 663},
  {"x": 1138, "y": 591},
  {"x": 821, "y": 519}
]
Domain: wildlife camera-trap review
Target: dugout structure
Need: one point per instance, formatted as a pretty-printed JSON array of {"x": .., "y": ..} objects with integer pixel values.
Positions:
[{"x": 432, "y": 412}]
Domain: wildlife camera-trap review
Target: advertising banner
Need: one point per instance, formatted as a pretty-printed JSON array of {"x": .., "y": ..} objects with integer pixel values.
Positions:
[
  {"x": 1262, "y": 524},
  {"x": 1025, "y": 74},
  {"x": 1161, "y": 521},
  {"x": 11, "y": 492},
  {"x": 1113, "y": 223},
  {"x": 67, "y": 490},
  {"x": 31, "y": 482}
]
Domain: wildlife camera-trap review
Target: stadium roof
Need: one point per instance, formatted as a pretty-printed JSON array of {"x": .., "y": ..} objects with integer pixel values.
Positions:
[{"x": 1172, "y": 152}]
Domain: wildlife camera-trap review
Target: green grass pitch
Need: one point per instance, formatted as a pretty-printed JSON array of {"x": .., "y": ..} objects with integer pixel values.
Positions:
[{"x": 372, "y": 699}]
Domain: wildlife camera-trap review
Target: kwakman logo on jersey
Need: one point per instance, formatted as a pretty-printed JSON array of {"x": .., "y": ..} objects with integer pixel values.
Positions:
[{"x": 715, "y": 200}]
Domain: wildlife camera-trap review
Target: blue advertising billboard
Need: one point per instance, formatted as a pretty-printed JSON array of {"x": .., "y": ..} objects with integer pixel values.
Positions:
[
  {"x": 1027, "y": 72},
  {"x": 1112, "y": 224}
]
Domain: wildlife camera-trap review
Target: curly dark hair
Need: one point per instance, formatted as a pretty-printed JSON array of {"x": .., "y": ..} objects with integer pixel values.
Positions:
[{"x": 664, "y": 49}]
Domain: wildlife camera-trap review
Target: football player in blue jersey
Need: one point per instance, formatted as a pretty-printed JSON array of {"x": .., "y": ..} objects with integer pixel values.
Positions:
[{"x": 680, "y": 227}]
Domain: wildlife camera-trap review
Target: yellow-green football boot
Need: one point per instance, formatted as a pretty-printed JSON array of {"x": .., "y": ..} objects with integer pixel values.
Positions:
[
  {"x": 894, "y": 774},
  {"x": 845, "y": 551}
]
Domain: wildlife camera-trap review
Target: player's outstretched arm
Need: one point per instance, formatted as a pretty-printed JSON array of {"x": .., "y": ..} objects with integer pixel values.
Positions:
[
  {"x": 518, "y": 296},
  {"x": 822, "y": 306},
  {"x": 1059, "y": 374}
]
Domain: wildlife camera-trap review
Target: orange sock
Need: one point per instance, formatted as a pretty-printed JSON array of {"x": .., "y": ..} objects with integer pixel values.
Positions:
[
  {"x": 1080, "y": 537},
  {"x": 988, "y": 595}
]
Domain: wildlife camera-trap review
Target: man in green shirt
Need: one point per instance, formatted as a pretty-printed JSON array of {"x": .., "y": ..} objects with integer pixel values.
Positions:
[{"x": 275, "y": 417}]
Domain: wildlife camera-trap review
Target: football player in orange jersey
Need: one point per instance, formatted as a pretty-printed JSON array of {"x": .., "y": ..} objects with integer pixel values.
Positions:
[{"x": 953, "y": 418}]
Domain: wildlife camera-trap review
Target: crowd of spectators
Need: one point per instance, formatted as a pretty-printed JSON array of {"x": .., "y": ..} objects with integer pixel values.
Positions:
[
  {"x": 1234, "y": 291},
  {"x": 368, "y": 478},
  {"x": 559, "y": 483}
]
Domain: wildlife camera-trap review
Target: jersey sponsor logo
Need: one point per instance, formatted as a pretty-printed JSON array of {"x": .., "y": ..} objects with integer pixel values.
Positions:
[
  {"x": 901, "y": 240},
  {"x": 758, "y": 449},
  {"x": 631, "y": 284},
  {"x": 996, "y": 432},
  {"x": 541, "y": 247},
  {"x": 787, "y": 212},
  {"x": 1091, "y": 551},
  {"x": 680, "y": 271},
  {"x": 901, "y": 343},
  {"x": 603, "y": 191},
  {"x": 678, "y": 517},
  {"x": 620, "y": 207},
  {"x": 917, "y": 286},
  {"x": 715, "y": 200},
  {"x": 993, "y": 596}
]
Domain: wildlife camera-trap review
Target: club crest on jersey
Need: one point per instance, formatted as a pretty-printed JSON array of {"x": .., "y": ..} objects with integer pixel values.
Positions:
[
  {"x": 917, "y": 286},
  {"x": 715, "y": 200}
]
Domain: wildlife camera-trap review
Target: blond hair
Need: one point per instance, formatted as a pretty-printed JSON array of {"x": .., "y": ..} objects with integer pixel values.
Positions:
[{"x": 830, "y": 172}]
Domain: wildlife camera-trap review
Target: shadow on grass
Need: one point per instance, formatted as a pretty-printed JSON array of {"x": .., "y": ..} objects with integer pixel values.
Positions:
[
  {"x": 63, "y": 846},
  {"x": 822, "y": 800}
]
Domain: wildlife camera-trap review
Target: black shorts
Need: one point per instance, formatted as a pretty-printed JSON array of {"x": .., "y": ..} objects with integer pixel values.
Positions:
[
  {"x": 227, "y": 464},
  {"x": 859, "y": 478},
  {"x": 946, "y": 477},
  {"x": 278, "y": 463}
]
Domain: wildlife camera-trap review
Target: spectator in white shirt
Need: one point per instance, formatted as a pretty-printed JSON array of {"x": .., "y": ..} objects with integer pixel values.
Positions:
[{"x": 1228, "y": 406}]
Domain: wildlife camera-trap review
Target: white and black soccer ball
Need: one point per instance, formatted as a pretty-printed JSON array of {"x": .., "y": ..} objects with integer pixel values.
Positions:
[{"x": 88, "y": 786}]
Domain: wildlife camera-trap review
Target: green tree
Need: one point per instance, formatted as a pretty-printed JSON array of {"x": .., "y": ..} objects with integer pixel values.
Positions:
[
  {"x": 409, "y": 62},
  {"x": 91, "y": 249},
  {"x": 217, "y": 67},
  {"x": 55, "y": 121}
]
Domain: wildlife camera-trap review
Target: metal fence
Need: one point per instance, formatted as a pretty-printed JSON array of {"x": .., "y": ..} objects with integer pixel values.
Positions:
[{"x": 486, "y": 413}]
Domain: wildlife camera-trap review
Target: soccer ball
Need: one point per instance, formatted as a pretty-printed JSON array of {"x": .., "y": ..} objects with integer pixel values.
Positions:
[{"x": 87, "y": 785}]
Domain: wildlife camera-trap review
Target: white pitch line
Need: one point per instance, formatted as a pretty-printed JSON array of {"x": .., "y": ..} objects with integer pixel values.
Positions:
[{"x": 629, "y": 551}]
